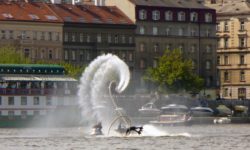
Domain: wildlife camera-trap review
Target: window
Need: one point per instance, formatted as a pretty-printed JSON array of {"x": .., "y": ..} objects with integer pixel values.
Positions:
[
  {"x": 208, "y": 65},
  {"x": 23, "y": 114},
  {"x": 99, "y": 38},
  {"x": 109, "y": 38},
  {"x": 36, "y": 100},
  {"x": 156, "y": 47},
  {"x": 66, "y": 37},
  {"x": 194, "y": 17},
  {"x": 168, "y": 31},
  {"x": 208, "y": 49},
  {"x": 168, "y": 15},
  {"x": 226, "y": 60},
  {"x": 242, "y": 59},
  {"x": 193, "y": 32},
  {"x": 226, "y": 76},
  {"x": 218, "y": 43},
  {"x": 208, "y": 17},
  {"x": 142, "y": 47},
  {"x": 42, "y": 36},
  {"x": 57, "y": 36},
  {"x": 11, "y": 114},
  {"x": 26, "y": 52},
  {"x": 81, "y": 37},
  {"x": 242, "y": 25},
  {"x": 88, "y": 56},
  {"x": 73, "y": 37},
  {"x": 130, "y": 56},
  {"x": 11, "y": 34},
  {"x": 218, "y": 27},
  {"x": 116, "y": 39},
  {"x": 142, "y": 30},
  {"x": 81, "y": 56},
  {"x": 242, "y": 75},
  {"x": 34, "y": 35},
  {"x": 50, "y": 54},
  {"x": 3, "y": 34},
  {"x": 73, "y": 53},
  {"x": 181, "y": 16},
  {"x": 48, "y": 101},
  {"x": 130, "y": 40},
  {"x": 225, "y": 26},
  {"x": 23, "y": 100},
  {"x": 11, "y": 101},
  {"x": 225, "y": 92},
  {"x": 168, "y": 46},
  {"x": 66, "y": 55},
  {"x": 123, "y": 39},
  {"x": 155, "y": 30},
  {"x": 193, "y": 48},
  {"x": 181, "y": 31},
  {"x": 226, "y": 42},
  {"x": 155, "y": 63},
  {"x": 218, "y": 60},
  {"x": 208, "y": 32},
  {"x": 181, "y": 47},
  {"x": 88, "y": 38},
  {"x": 156, "y": 15},
  {"x": 142, "y": 63},
  {"x": 242, "y": 42},
  {"x": 50, "y": 36},
  {"x": 242, "y": 93},
  {"x": 142, "y": 14}
]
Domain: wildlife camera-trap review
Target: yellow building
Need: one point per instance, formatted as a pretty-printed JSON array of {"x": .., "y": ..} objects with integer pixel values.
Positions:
[{"x": 233, "y": 30}]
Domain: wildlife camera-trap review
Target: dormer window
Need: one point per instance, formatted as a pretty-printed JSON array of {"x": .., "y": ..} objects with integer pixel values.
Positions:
[
  {"x": 168, "y": 15},
  {"x": 156, "y": 15},
  {"x": 208, "y": 17},
  {"x": 181, "y": 16},
  {"x": 194, "y": 17},
  {"x": 142, "y": 14}
]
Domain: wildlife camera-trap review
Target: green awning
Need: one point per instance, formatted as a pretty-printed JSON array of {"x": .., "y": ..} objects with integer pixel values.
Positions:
[{"x": 36, "y": 78}]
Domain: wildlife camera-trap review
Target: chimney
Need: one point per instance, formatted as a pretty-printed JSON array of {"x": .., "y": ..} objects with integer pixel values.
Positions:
[{"x": 99, "y": 2}]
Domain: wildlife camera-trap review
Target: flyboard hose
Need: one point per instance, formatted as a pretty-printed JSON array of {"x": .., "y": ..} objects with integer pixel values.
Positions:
[{"x": 124, "y": 118}]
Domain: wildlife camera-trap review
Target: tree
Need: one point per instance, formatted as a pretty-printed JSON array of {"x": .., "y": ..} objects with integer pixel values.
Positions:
[
  {"x": 10, "y": 55},
  {"x": 174, "y": 73}
]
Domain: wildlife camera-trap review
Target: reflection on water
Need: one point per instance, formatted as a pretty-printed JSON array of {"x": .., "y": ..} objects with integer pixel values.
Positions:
[{"x": 205, "y": 137}]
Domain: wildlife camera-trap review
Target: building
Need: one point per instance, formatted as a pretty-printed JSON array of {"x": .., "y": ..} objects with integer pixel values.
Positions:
[
  {"x": 32, "y": 28},
  {"x": 233, "y": 48},
  {"x": 169, "y": 24}
]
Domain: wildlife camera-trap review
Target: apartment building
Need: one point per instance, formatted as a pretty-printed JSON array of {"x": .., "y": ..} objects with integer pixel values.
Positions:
[
  {"x": 233, "y": 27},
  {"x": 169, "y": 24}
]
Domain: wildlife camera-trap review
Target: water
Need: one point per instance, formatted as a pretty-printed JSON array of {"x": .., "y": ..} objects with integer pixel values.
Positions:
[
  {"x": 196, "y": 137},
  {"x": 94, "y": 94}
]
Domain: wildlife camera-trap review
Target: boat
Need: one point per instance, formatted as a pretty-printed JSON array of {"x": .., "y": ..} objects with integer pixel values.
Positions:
[
  {"x": 173, "y": 114},
  {"x": 202, "y": 111},
  {"x": 37, "y": 95},
  {"x": 97, "y": 129},
  {"x": 222, "y": 120},
  {"x": 149, "y": 109}
]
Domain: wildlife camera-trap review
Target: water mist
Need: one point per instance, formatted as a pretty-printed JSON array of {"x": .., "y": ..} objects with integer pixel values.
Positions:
[{"x": 94, "y": 100}]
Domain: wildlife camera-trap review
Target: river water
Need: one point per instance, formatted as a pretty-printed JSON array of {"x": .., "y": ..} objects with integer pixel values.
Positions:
[{"x": 196, "y": 137}]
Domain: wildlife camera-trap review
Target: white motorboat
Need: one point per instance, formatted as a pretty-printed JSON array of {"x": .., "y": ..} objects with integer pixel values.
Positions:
[
  {"x": 173, "y": 114},
  {"x": 149, "y": 109},
  {"x": 202, "y": 111}
]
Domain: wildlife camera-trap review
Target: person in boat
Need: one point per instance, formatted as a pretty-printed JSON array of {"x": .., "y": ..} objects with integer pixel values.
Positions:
[
  {"x": 121, "y": 128},
  {"x": 135, "y": 129}
]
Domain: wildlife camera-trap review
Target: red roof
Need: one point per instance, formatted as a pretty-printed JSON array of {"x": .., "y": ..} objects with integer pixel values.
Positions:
[{"x": 46, "y": 12}]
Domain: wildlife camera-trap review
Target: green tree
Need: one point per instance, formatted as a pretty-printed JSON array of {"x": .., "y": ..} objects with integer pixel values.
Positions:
[
  {"x": 174, "y": 73},
  {"x": 10, "y": 55}
]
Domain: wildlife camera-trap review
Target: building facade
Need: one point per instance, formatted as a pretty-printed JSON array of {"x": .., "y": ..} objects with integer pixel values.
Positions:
[
  {"x": 33, "y": 29},
  {"x": 161, "y": 25},
  {"x": 233, "y": 47}
]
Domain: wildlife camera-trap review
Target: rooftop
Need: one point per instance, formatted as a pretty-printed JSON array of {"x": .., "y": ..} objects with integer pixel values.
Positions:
[{"x": 59, "y": 13}]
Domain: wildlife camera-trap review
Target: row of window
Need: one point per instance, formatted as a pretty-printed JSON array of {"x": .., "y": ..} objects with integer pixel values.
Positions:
[
  {"x": 99, "y": 38},
  {"x": 156, "y": 47},
  {"x": 86, "y": 55},
  {"x": 225, "y": 25},
  {"x": 226, "y": 60},
  {"x": 241, "y": 76},
  {"x": 31, "y": 35},
  {"x": 24, "y": 101},
  {"x": 169, "y": 16},
  {"x": 170, "y": 31},
  {"x": 242, "y": 42},
  {"x": 43, "y": 53},
  {"x": 241, "y": 92}
]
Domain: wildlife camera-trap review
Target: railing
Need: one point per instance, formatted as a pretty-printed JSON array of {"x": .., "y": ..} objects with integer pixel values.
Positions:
[{"x": 38, "y": 91}]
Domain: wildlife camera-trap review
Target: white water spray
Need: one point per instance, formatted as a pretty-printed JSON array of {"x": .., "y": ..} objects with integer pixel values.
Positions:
[{"x": 93, "y": 90}]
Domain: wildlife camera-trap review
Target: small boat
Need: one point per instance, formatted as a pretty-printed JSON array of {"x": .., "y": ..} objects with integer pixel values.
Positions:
[
  {"x": 149, "y": 109},
  {"x": 173, "y": 114},
  {"x": 222, "y": 120},
  {"x": 202, "y": 111}
]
